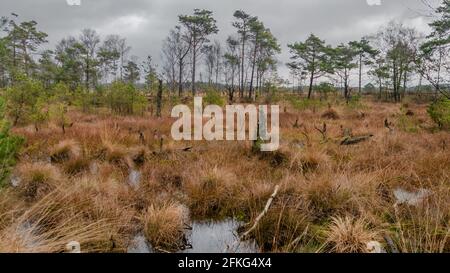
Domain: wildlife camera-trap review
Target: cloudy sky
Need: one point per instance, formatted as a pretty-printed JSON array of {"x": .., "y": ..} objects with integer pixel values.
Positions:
[{"x": 145, "y": 23}]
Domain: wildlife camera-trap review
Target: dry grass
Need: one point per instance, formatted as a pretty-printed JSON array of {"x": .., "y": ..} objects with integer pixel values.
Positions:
[
  {"x": 332, "y": 197},
  {"x": 330, "y": 114},
  {"x": 10, "y": 206},
  {"x": 309, "y": 160},
  {"x": 82, "y": 212},
  {"x": 348, "y": 235},
  {"x": 65, "y": 150},
  {"x": 164, "y": 226},
  {"x": 76, "y": 166},
  {"x": 425, "y": 228},
  {"x": 37, "y": 179},
  {"x": 210, "y": 192}
]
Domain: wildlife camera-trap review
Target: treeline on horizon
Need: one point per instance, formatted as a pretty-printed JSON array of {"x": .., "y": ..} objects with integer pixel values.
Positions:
[{"x": 242, "y": 67}]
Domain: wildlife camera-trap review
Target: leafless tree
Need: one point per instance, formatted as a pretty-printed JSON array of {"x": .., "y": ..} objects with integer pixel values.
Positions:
[{"x": 179, "y": 45}]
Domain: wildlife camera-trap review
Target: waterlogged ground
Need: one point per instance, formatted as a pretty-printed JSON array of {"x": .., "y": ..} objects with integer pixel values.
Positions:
[
  {"x": 139, "y": 244},
  {"x": 120, "y": 184},
  {"x": 205, "y": 237},
  {"x": 218, "y": 237}
]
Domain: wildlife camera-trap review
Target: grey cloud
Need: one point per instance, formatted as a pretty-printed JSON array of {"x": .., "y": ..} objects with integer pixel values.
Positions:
[{"x": 145, "y": 23}]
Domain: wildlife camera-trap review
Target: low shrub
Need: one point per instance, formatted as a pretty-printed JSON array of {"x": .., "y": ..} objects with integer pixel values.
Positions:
[
  {"x": 355, "y": 102},
  {"x": 22, "y": 97},
  {"x": 124, "y": 99},
  {"x": 305, "y": 104},
  {"x": 213, "y": 98},
  {"x": 439, "y": 112},
  {"x": 9, "y": 146}
]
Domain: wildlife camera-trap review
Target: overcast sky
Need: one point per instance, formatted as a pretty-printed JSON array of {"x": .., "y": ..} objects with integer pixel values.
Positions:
[{"x": 145, "y": 23}]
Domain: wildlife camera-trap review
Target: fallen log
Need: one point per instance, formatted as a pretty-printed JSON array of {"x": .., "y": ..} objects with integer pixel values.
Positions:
[
  {"x": 264, "y": 212},
  {"x": 355, "y": 140},
  {"x": 187, "y": 149},
  {"x": 233, "y": 247}
]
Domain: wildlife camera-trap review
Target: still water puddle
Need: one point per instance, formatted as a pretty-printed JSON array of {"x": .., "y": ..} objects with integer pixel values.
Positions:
[
  {"x": 205, "y": 237},
  {"x": 218, "y": 237},
  {"x": 139, "y": 245}
]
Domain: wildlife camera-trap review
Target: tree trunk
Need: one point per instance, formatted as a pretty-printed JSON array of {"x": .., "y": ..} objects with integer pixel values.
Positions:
[
  {"x": 253, "y": 72},
  {"x": 159, "y": 99},
  {"x": 360, "y": 73},
  {"x": 14, "y": 52},
  {"x": 405, "y": 78},
  {"x": 25, "y": 61},
  {"x": 311, "y": 85},
  {"x": 258, "y": 86},
  {"x": 419, "y": 88},
  {"x": 439, "y": 73},
  {"x": 346, "y": 91},
  {"x": 233, "y": 72},
  {"x": 217, "y": 73},
  {"x": 173, "y": 79},
  {"x": 241, "y": 89},
  {"x": 180, "y": 79},
  {"x": 194, "y": 59},
  {"x": 87, "y": 73},
  {"x": 381, "y": 89},
  {"x": 121, "y": 66},
  {"x": 311, "y": 82},
  {"x": 395, "y": 81}
]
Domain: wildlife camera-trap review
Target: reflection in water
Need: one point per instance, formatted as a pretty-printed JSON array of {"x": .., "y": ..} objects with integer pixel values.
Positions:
[
  {"x": 27, "y": 234},
  {"x": 218, "y": 237},
  {"x": 205, "y": 237},
  {"x": 139, "y": 245}
]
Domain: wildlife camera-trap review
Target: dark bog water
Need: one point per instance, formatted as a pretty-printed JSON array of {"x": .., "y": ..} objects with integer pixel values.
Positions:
[
  {"x": 139, "y": 245},
  {"x": 217, "y": 237},
  {"x": 205, "y": 237}
]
